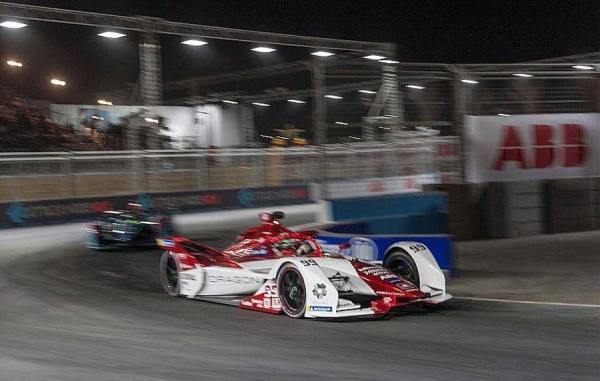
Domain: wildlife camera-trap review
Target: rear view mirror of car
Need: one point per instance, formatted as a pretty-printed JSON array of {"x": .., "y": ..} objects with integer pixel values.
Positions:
[{"x": 278, "y": 215}]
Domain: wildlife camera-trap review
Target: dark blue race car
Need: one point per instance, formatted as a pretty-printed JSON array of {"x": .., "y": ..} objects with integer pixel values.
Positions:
[{"x": 128, "y": 228}]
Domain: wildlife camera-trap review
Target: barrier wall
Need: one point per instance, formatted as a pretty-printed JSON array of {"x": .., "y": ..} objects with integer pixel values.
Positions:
[
  {"x": 515, "y": 209},
  {"x": 465, "y": 218},
  {"x": 30, "y": 213},
  {"x": 573, "y": 205},
  {"x": 372, "y": 225},
  {"x": 409, "y": 204}
]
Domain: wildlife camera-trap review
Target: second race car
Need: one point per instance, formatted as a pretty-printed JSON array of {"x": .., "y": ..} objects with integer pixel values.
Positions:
[
  {"x": 273, "y": 269},
  {"x": 134, "y": 227}
]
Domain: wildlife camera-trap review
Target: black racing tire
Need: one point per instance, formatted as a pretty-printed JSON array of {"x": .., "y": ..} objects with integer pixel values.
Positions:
[
  {"x": 291, "y": 291},
  {"x": 169, "y": 273},
  {"x": 402, "y": 264}
]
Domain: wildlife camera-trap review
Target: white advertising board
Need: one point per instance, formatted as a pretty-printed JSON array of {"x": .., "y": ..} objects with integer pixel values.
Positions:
[
  {"x": 532, "y": 147},
  {"x": 378, "y": 187}
]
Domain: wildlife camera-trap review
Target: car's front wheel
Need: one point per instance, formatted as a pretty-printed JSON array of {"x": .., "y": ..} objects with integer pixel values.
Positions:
[
  {"x": 169, "y": 273},
  {"x": 291, "y": 291},
  {"x": 402, "y": 264}
]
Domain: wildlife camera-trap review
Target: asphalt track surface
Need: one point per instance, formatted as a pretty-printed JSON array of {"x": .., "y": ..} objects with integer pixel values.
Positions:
[{"x": 68, "y": 313}]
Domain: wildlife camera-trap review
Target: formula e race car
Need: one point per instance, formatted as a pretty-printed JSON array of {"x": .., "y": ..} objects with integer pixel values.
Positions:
[
  {"x": 133, "y": 227},
  {"x": 273, "y": 269}
]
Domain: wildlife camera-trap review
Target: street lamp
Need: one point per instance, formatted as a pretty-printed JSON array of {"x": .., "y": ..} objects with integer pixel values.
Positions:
[
  {"x": 14, "y": 63},
  {"x": 105, "y": 103}
]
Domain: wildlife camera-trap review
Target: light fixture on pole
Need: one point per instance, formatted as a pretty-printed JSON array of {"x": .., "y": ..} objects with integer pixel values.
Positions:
[
  {"x": 263, "y": 49},
  {"x": 322, "y": 54},
  {"x": 194, "y": 42},
  {"x": 14, "y": 63},
  {"x": 57, "y": 82},
  {"x": 374, "y": 57},
  {"x": 112, "y": 35},
  {"x": 583, "y": 67},
  {"x": 13, "y": 25},
  {"x": 523, "y": 75},
  {"x": 104, "y": 102}
]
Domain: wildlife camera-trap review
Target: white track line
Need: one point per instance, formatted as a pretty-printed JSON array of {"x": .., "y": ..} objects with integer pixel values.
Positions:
[{"x": 529, "y": 302}]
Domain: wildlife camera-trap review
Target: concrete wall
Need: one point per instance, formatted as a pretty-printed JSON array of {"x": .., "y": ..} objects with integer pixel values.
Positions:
[
  {"x": 573, "y": 205},
  {"x": 515, "y": 209},
  {"x": 465, "y": 218}
]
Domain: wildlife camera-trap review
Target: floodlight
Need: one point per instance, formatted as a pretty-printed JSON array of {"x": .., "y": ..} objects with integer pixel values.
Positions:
[
  {"x": 322, "y": 54},
  {"x": 374, "y": 57},
  {"x": 111, "y": 34},
  {"x": 262, "y": 49},
  {"x": 194, "y": 42},
  {"x": 13, "y": 25}
]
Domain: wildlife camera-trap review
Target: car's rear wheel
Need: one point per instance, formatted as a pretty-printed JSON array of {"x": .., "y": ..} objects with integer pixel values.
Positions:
[
  {"x": 402, "y": 264},
  {"x": 291, "y": 291},
  {"x": 169, "y": 273}
]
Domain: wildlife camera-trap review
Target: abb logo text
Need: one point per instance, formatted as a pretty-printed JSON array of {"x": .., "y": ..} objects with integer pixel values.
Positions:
[{"x": 562, "y": 146}]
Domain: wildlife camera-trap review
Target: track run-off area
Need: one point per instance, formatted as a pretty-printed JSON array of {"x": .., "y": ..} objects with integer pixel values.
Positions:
[{"x": 524, "y": 309}]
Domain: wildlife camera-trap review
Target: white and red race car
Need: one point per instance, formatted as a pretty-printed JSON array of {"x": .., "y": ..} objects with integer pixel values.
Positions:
[{"x": 273, "y": 269}]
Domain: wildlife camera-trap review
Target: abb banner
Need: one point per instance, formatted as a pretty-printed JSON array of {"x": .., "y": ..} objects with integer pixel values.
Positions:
[{"x": 532, "y": 147}]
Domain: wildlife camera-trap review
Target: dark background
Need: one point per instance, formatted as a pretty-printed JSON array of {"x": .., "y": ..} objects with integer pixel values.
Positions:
[{"x": 449, "y": 31}]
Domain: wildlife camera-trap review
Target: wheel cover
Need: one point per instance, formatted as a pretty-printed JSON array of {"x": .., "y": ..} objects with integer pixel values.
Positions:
[{"x": 293, "y": 292}]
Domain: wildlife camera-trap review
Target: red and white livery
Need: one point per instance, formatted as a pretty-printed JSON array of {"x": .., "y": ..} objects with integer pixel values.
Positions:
[{"x": 273, "y": 269}]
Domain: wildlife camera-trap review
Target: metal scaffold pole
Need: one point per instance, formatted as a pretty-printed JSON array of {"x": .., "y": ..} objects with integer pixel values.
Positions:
[
  {"x": 319, "y": 111},
  {"x": 150, "y": 69},
  {"x": 248, "y": 138},
  {"x": 391, "y": 107}
]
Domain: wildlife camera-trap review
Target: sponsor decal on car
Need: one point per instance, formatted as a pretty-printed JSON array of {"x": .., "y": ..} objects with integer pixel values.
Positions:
[
  {"x": 233, "y": 279},
  {"x": 320, "y": 308},
  {"x": 374, "y": 270},
  {"x": 260, "y": 251},
  {"x": 320, "y": 290},
  {"x": 187, "y": 276}
]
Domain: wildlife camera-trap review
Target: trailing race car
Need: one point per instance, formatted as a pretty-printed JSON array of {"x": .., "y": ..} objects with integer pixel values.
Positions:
[
  {"x": 134, "y": 227},
  {"x": 273, "y": 269}
]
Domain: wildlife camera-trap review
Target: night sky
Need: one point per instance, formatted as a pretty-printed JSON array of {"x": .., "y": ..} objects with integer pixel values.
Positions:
[{"x": 449, "y": 31}]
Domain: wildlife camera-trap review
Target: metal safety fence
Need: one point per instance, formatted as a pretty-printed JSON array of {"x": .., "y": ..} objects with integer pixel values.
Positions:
[{"x": 34, "y": 176}]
